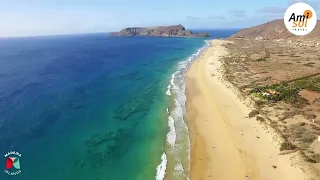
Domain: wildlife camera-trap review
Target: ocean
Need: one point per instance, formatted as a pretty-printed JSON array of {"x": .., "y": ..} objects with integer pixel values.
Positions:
[{"x": 96, "y": 107}]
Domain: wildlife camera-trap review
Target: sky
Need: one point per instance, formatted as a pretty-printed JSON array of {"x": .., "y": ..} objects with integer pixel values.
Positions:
[{"x": 46, "y": 17}]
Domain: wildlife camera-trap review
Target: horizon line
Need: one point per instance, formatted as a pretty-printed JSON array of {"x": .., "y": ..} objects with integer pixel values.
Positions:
[{"x": 107, "y": 32}]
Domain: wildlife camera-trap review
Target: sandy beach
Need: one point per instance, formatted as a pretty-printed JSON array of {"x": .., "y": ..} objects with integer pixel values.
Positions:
[{"x": 225, "y": 143}]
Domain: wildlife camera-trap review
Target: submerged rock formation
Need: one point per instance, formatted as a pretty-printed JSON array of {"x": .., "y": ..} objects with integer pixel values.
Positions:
[{"x": 166, "y": 31}]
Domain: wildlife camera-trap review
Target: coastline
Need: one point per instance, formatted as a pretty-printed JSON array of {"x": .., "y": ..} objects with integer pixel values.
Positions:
[
  {"x": 175, "y": 161},
  {"x": 225, "y": 143}
]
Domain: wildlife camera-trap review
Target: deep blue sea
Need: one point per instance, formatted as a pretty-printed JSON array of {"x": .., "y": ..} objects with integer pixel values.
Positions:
[{"x": 94, "y": 107}]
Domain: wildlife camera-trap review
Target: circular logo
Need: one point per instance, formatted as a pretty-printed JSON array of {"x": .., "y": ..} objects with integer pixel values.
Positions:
[
  {"x": 12, "y": 163},
  {"x": 300, "y": 19}
]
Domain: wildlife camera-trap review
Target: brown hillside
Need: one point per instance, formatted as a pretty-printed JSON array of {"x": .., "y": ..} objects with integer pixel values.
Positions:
[{"x": 274, "y": 30}]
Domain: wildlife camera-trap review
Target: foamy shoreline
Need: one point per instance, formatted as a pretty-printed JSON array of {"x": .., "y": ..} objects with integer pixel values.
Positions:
[
  {"x": 225, "y": 144},
  {"x": 178, "y": 141}
]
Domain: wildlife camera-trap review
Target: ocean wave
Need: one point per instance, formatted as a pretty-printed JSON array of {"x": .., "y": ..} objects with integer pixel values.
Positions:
[
  {"x": 168, "y": 92},
  {"x": 178, "y": 135},
  {"x": 172, "y": 80},
  {"x": 161, "y": 169},
  {"x": 171, "y": 136}
]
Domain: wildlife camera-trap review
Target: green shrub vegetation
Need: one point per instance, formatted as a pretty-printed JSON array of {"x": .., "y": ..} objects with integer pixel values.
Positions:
[
  {"x": 307, "y": 137},
  {"x": 289, "y": 91},
  {"x": 298, "y": 130},
  {"x": 314, "y": 158},
  {"x": 287, "y": 146},
  {"x": 259, "y": 118},
  {"x": 253, "y": 113},
  {"x": 261, "y": 59}
]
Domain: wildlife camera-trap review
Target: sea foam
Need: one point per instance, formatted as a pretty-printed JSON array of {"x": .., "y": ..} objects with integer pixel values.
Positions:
[
  {"x": 171, "y": 136},
  {"x": 161, "y": 169},
  {"x": 168, "y": 92},
  {"x": 178, "y": 135}
]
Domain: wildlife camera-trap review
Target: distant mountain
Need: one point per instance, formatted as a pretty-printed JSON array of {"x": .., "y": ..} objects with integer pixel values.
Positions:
[
  {"x": 274, "y": 30},
  {"x": 166, "y": 31}
]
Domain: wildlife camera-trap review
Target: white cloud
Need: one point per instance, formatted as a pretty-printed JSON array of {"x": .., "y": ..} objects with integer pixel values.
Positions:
[
  {"x": 217, "y": 17},
  {"x": 273, "y": 10},
  {"x": 238, "y": 13},
  {"x": 192, "y": 18}
]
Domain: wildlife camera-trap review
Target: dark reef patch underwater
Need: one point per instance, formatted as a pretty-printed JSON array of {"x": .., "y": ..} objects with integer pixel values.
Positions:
[{"x": 87, "y": 106}]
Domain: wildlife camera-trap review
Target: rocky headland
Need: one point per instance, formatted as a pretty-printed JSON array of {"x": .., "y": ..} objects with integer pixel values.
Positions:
[{"x": 164, "y": 31}]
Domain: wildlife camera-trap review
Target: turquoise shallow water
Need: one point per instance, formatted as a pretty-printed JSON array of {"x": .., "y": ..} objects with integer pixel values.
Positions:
[
  {"x": 87, "y": 106},
  {"x": 95, "y": 107}
]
